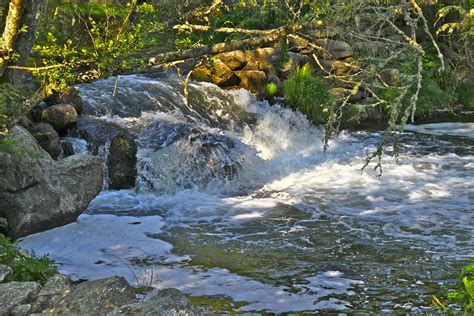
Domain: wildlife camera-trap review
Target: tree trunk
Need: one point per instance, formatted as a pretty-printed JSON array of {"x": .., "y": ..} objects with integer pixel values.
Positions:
[
  {"x": 22, "y": 14},
  {"x": 12, "y": 26}
]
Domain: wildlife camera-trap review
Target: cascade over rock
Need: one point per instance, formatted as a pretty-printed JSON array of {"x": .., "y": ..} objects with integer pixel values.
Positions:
[
  {"x": 38, "y": 193},
  {"x": 116, "y": 147}
]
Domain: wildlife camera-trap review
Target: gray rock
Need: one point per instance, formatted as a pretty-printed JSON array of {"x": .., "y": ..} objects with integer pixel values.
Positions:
[
  {"x": 216, "y": 72},
  {"x": 121, "y": 154},
  {"x": 47, "y": 138},
  {"x": 96, "y": 297},
  {"x": 390, "y": 75},
  {"x": 38, "y": 193},
  {"x": 52, "y": 293},
  {"x": 235, "y": 60},
  {"x": 338, "y": 49},
  {"x": 4, "y": 272},
  {"x": 21, "y": 310},
  {"x": 293, "y": 62},
  {"x": 25, "y": 122},
  {"x": 59, "y": 116},
  {"x": 14, "y": 294},
  {"x": 252, "y": 80},
  {"x": 167, "y": 302},
  {"x": 70, "y": 96},
  {"x": 122, "y": 160},
  {"x": 38, "y": 110}
]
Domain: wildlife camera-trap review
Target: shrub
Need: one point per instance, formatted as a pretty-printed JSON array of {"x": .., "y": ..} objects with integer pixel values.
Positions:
[
  {"x": 463, "y": 294},
  {"x": 24, "y": 267},
  {"x": 308, "y": 93},
  {"x": 432, "y": 97},
  {"x": 271, "y": 89},
  {"x": 465, "y": 95}
]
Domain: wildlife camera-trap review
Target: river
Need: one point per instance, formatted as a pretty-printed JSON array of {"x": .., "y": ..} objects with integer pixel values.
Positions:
[{"x": 237, "y": 205}]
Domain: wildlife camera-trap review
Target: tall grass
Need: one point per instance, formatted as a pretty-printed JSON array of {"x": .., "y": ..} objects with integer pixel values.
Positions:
[{"x": 309, "y": 94}]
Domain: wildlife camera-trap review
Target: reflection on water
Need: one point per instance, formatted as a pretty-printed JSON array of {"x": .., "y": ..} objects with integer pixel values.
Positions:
[{"x": 292, "y": 229}]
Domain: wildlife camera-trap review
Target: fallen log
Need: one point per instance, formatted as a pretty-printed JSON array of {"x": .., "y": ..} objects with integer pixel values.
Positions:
[
  {"x": 206, "y": 28},
  {"x": 224, "y": 47}
]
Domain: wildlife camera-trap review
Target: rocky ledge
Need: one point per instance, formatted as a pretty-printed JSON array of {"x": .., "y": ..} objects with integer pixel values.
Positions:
[
  {"x": 110, "y": 296},
  {"x": 38, "y": 193}
]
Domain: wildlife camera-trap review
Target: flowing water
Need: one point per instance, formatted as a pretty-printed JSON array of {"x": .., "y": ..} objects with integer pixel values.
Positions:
[{"x": 237, "y": 205}]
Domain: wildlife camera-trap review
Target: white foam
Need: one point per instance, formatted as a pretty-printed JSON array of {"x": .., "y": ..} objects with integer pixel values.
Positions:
[
  {"x": 287, "y": 184},
  {"x": 456, "y": 129}
]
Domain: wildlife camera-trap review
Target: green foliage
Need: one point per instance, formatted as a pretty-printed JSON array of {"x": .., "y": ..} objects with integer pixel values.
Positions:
[
  {"x": 271, "y": 89},
  {"x": 432, "y": 97},
  {"x": 465, "y": 95},
  {"x": 24, "y": 267},
  {"x": 308, "y": 93},
  {"x": 10, "y": 99},
  {"x": 464, "y": 292},
  {"x": 244, "y": 14},
  {"x": 108, "y": 48}
]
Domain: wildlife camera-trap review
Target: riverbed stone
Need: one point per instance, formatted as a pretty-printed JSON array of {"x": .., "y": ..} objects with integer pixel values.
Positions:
[
  {"x": 96, "y": 297},
  {"x": 337, "y": 49},
  {"x": 122, "y": 159},
  {"x": 214, "y": 71},
  {"x": 38, "y": 110},
  {"x": 38, "y": 193},
  {"x": 235, "y": 60},
  {"x": 390, "y": 75},
  {"x": 4, "y": 272},
  {"x": 70, "y": 96},
  {"x": 59, "y": 116},
  {"x": 53, "y": 292},
  {"x": 113, "y": 144},
  {"x": 25, "y": 122},
  {"x": 47, "y": 138},
  {"x": 14, "y": 294},
  {"x": 252, "y": 80},
  {"x": 336, "y": 67},
  {"x": 166, "y": 302}
]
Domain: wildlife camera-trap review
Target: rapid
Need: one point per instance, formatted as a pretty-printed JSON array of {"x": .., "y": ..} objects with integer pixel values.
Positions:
[{"x": 237, "y": 204}]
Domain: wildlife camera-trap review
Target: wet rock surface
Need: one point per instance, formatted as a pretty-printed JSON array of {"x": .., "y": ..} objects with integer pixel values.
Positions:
[
  {"x": 47, "y": 138},
  {"x": 109, "y": 296},
  {"x": 59, "y": 116},
  {"x": 115, "y": 145}
]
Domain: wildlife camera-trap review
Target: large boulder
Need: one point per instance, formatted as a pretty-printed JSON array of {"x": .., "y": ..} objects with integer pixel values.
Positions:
[
  {"x": 59, "y": 116},
  {"x": 166, "y": 302},
  {"x": 96, "y": 297},
  {"x": 17, "y": 295},
  {"x": 38, "y": 193},
  {"x": 252, "y": 80},
  {"x": 115, "y": 146},
  {"x": 37, "y": 111},
  {"x": 235, "y": 60},
  {"x": 47, "y": 138},
  {"x": 216, "y": 72},
  {"x": 70, "y": 96},
  {"x": 55, "y": 290}
]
